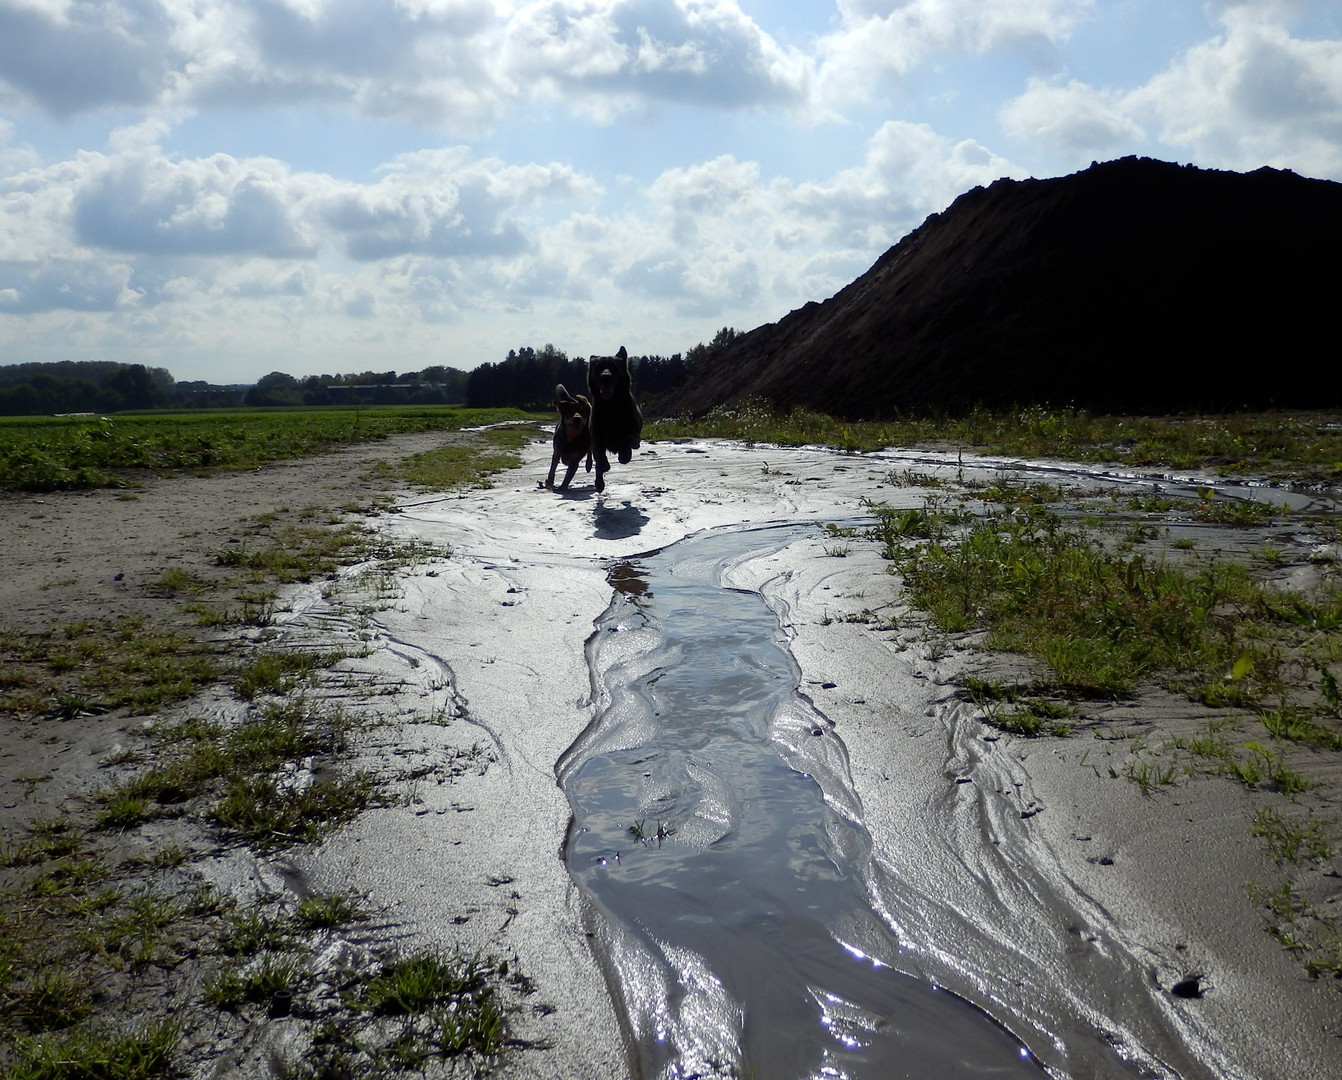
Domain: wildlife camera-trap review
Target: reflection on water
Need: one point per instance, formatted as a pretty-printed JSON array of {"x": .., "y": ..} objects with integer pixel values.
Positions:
[{"x": 738, "y": 929}]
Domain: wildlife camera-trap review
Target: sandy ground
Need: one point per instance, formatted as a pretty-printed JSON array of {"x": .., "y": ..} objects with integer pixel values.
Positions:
[{"x": 1021, "y": 874}]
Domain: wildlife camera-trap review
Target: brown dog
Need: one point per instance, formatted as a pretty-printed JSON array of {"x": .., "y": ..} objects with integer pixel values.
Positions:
[
  {"x": 572, "y": 437},
  {"x": 616, "y": 421}
]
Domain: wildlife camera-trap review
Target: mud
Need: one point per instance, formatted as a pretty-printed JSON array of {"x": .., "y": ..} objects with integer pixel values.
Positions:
[{"x": 1019, "y": 875}]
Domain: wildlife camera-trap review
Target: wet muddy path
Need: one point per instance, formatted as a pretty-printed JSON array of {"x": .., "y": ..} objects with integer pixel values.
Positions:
[
  {"x": 717, "y": 830},
  {"x": 780, "y": 844}
]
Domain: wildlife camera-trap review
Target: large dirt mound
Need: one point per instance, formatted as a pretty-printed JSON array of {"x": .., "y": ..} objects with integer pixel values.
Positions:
[{"x": 1133, "y": 286}]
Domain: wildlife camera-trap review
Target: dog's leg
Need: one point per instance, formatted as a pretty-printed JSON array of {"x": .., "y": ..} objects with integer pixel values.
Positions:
[
  {"x": 602, "y": 467},
  {"x": 625, "y": 455},
  {"x": 554, "y": 464},
  {"x": 568, "y": 476}
]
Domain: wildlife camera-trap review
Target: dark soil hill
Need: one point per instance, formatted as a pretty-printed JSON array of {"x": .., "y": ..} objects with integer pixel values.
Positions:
[{"x": 1133, "y": 286}]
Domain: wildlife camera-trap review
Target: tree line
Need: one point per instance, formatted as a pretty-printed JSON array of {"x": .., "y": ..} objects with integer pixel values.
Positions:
[{"x": 526, "y": 378}]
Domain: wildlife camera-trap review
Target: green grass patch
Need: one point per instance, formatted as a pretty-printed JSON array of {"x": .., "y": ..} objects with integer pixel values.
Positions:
[
  {"x": 247, "y": 775},
  {"x": 278, "y": 672},
  {"x": 1101, "y": 618},
  {"x": 468, "y": 461},
  {"x": 63, "y": 453},
  {"x": 97, "y": 666},
  {"x": 1288, "y": 838},
  {"x": 1302, "y": 446},
  {"x": 97, "y": 1054}
]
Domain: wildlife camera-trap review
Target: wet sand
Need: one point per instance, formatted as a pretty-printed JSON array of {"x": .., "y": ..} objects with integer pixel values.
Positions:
[{"x": 1018, "y": 873}]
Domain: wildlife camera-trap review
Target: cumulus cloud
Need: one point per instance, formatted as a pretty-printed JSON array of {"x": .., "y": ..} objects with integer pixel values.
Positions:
[
  {"x": 150, "y": 204},
  {"x": 1253, "y": 95},
  {"x": 86, "y": 54},
  {"x": 455, "y": 65},
  {"x": 161, "y": 212},
  {"x": 69, "y": 285},
  {"x": 1075, "y": 120},
  {"x": 723, "y": 238},
  {"x": 879, "y": 39}
]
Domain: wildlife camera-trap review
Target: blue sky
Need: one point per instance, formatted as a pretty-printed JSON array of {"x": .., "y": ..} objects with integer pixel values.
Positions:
[{"x": 230, "y": 187}]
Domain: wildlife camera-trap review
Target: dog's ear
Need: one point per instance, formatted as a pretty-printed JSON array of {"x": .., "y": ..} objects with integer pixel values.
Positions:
[{"x": 622, "y": 354}]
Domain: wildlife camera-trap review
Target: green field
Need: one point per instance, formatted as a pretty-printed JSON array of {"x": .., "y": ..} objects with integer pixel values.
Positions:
[{"x": 56, "y": 453}]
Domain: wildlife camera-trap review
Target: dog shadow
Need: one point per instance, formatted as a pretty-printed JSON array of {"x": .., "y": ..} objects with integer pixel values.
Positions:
[
  {"x": 573, "y": 494},
  {"x": 618, "y": 522}
]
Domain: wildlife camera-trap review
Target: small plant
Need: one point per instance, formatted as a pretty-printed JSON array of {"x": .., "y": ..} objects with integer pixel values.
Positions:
[
  {"x": 1290, "y": 839},
  {"x": 330, "y": 910},
  {"x": 414, "y": 984},
  {"x": 123, "y": 810},
  {"x": 251, "y": 931},
  {"x": 1149, "y": 774},
  {"x": 101, "y": 1052},
  {"x": 257, "y": 981}
]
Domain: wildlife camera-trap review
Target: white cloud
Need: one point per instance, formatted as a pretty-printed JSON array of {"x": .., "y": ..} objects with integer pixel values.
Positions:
[
  {"x": 454, "y": 66},
  {"x": 87, "y": 54},
  {"x": 1254, "y": 95},
  {"x": 879, "y": 39},
  {"x": 1075, "y": 120}
]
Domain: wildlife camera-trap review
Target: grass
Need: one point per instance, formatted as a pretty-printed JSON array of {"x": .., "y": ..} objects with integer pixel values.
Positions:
[
  {"x": 1304, "y": 446},
  {"x": 1288, "y": 838},
  {"x": 103, "y": 1053},
  {"x": 63, "y": 453},
  {"x": 274, "y": 672},
  {"x": 466, "y": 463},
  {"x": 90, "y": 666},
  {"x": 1101, "y": 619},
  {"x": 244, "y": 775},
  {"x": 1030, "y": 714}
]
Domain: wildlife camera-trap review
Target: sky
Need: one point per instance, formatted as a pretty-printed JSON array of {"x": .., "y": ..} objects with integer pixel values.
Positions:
[{"x": 226, "y": 188}]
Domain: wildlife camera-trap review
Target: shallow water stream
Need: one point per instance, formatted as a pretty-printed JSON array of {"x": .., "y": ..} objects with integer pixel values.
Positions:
[{"x": 716, "y": 829}]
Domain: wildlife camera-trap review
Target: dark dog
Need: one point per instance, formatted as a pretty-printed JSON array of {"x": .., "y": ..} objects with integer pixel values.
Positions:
[
  {"x": 573, "y": 435},
  {"x": 616, "y": 421}
]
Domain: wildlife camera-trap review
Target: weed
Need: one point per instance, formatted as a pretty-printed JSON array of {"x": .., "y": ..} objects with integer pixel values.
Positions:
[
  {"x": 122, "y": 810},
  {"x": 51, "y": 1000},
  {"x": 258, "y": 980},
  {"x": 468, "y": 462},
  {"x": 329, "y": 910},
  {"x": 251, "y": 931},
  {"x": 176, "y": 580},
  {"x": 1327, "y": 959},
  {"x": 97, "y": 1054},
  {"x": 1294, "y": 723},
  {"x": 414, "y": 984},
  {"x": 1289, "y": 839},
  {"x": 277, "y": 672},
  {"x": 1149, "y": 774}
]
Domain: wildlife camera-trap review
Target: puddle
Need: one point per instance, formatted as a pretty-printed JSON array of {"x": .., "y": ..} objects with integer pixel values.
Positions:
[{"x": 716, "y": 831}]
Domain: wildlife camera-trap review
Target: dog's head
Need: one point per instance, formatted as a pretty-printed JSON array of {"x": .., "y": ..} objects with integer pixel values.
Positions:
[
  {"x": 574, "y": 412},
  {"x": 608, "y": 375}
]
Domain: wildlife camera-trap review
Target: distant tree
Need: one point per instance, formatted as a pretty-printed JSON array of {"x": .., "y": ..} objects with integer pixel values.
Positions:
[
  {"x": 526, "y": 379},
  {"x": 134, "y": 388},
  {"x": 277, "y": 388},
  {"x": 703, "y": 354}
]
